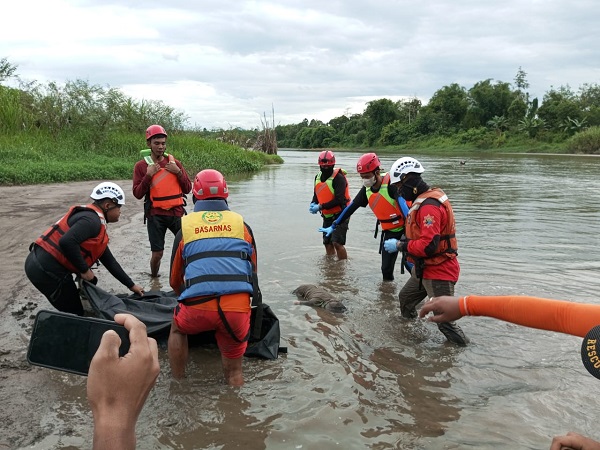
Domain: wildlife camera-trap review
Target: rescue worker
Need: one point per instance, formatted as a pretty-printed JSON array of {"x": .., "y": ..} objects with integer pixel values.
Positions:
[
  {"x": 213, "y": 271},
  {"x": 380, "y": 196},
  {"x": 330, "y": 196},
  {"x": 73, "y": 245},
  {"x": 163, "y": 185},
  {"x": 430, "y": 243}
]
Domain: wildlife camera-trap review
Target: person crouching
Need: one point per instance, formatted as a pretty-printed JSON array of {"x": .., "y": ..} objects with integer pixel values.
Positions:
[
  {"x": 73, "y": 245},
  {"x": 212, "y": 271}
]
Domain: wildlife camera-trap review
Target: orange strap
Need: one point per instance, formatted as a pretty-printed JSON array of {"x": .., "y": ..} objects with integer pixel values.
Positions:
[{"x": 534, "y": 312}]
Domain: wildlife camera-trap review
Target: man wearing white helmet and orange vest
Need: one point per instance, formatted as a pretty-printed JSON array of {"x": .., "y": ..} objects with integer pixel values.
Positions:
[
  {"x": 73, "y": 245},
  {"x": 163, "y": 185},
  {"x": 430, "y": 243},
  {"x": 330, "y": 196}
]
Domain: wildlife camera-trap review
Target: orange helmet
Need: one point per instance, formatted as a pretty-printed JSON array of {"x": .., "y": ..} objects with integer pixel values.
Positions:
[
  {"x": 369, "y": 162},
  {"x": 210, "y": 183},
  {"x": 326, "y": 158},
  {"x": 153, "y": 130}
]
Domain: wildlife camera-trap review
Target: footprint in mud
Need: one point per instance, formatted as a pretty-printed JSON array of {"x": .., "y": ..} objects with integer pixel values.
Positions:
[{"x": 23, "y": 311}]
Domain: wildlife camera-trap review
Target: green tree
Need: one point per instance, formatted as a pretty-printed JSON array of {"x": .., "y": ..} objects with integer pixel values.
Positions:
[
  {"x": 572, "y": 126},
  {"x": 486, "y": 100},
  {"x": 521, "y": 83},
  {"x": 7, "y": 70},
  {"x": 447, "y": 109},
  {"x": 499, "y": 124},
  {"x": 557, "y": 106},
  {"x": 379, "y": 113},
  {"x": 399, "y": 133},
  {"x": 589, "y": 101},
  {"x": 338, "y": 122},
  {"x": 531, "y": 126},
  {"x": 408, "y": 109}
]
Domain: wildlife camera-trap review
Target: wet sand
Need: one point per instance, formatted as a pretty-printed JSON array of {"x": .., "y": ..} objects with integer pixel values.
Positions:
[{"x": 26, "y": 392}]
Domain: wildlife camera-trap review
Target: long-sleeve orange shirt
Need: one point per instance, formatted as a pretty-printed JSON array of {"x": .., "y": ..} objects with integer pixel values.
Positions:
[{"x": 534, "y": 312}]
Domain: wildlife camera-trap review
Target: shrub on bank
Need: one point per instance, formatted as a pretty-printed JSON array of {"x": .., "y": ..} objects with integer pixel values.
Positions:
[
  {"x": 587, "y": 141},
  {"x": 38, "y": 157}
]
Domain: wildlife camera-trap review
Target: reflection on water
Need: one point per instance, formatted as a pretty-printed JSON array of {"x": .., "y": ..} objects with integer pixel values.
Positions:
[{"x": 369, "y": 379}]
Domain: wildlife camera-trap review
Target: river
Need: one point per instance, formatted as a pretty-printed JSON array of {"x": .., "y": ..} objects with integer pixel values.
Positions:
[{"x": 526, "y": 224}]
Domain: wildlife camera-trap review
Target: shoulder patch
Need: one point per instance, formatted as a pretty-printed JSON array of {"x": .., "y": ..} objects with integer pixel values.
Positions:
[{"x": 428, "y": 220}]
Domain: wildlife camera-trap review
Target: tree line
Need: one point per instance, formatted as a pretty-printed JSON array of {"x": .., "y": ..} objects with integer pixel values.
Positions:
[{"x": 489, "y": 114}]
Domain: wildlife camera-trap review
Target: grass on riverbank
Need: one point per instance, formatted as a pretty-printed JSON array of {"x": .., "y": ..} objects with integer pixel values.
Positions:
[{"x": 35, "y": 158}]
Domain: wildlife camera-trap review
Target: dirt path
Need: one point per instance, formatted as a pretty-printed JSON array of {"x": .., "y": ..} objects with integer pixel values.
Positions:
[{"x": 26, "y": 392}]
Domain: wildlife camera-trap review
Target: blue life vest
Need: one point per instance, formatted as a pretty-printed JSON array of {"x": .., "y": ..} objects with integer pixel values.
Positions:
[{"x": 217, "y": 258}]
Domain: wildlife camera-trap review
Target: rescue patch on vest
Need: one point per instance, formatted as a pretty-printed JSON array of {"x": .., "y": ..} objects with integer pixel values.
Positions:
[
  {"x": 428, "y": 220},
  {"x": 212, "y": 224}
]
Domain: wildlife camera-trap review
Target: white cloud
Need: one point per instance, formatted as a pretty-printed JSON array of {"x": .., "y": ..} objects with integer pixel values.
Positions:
[{"x": 225, "y": 63}]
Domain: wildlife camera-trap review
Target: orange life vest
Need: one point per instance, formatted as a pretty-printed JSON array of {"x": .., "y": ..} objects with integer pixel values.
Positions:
[
  {"x": 325, "y": 193},
  {"x": 448, "y": 246},
  {"x": 165, "y": 191},
  {"x": 91, "y": 249},
  {"x": 385, "y": 208}
]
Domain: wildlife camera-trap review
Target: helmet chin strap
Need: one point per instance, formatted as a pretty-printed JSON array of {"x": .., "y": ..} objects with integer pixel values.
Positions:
[{"x": 105, "y": 206}]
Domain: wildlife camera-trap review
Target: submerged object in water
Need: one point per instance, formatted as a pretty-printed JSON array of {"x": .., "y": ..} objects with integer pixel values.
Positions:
[{"x": 313, "y": 295}]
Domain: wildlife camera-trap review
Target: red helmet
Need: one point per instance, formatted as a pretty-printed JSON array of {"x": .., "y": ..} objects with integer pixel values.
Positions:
[
  {"x": 153, "y": 130},
  {"x": 210, "y": 183},
  {"x": 326, "y": 158},
  {"x": 369, "y": 162}
]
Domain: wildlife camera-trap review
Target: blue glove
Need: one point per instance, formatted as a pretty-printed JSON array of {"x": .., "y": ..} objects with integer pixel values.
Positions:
[
  {"x": 314, "y": 208},
  {"x": 391, "y": 245},
  {"x": 328, "y": 230}
]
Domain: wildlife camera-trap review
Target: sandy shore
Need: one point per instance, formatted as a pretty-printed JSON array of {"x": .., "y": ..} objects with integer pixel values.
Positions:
[{"x": 26, "y": 211}]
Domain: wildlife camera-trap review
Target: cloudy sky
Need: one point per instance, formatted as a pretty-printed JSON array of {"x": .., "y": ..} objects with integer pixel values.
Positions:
[{"x": 225, "y": 63}]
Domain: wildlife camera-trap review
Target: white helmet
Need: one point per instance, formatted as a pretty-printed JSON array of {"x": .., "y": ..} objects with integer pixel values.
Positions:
[
  {"x": 403, "y": 167},
  {"x": 107, "y": 189}
]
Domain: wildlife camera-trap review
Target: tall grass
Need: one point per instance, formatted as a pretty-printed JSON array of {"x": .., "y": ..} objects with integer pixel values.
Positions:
[
  {"x": 79, "y": 131},
  {"x": 39, "y": 157}
]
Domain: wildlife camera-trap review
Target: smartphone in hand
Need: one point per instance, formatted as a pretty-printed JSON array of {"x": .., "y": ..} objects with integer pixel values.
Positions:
[{"x": 68, "y": 342}]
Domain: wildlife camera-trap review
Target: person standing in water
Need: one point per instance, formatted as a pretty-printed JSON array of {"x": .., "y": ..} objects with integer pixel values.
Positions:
[
  {"x": 330, "y": 196},
  {"x": 430, "y": 243},
  {"x": 380, "y": 196}
]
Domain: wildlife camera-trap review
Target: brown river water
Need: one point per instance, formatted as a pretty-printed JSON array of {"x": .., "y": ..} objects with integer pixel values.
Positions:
[{"x": 526, "y": 225}]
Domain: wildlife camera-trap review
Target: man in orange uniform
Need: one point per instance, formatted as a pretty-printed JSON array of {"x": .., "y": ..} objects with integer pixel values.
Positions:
[
  {"x": 163, "y": 186},
  {"x": 213, "y": 272},
  {"x": 430, "y": 243},
  {"x": 331, "y": 195}
]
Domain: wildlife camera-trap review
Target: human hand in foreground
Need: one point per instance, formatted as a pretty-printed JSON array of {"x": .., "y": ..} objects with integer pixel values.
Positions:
[
  {"x": 444, "y": 309},
  {"x": 137, "y": 289},
  {"x": 574, "y": 441},
  {"x": 117, "y": 387},
  {"x": 391, "y": 245},
  {"x": 314, "y": 208},
  {"x": 328, "y": 230}
]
